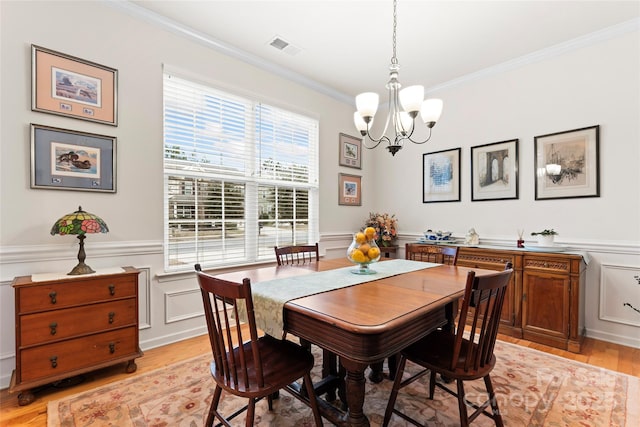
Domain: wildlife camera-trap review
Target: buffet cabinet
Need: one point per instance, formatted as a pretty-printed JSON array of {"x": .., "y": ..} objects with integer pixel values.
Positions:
[
  {"x": 545, "y": 299},
  {"x": 66, "y": 326}
]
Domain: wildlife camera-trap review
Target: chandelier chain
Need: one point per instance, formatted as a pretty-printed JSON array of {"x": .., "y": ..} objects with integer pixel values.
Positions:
[{"x": 394, "y": 59}]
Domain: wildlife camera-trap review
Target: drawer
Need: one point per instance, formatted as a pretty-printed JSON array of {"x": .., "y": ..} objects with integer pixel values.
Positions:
[
  {"x": 489, "y": 261},
  {"x": 557, "y": 265},
  {"x": 66, "y": 356},
  {"x": 66, "y": 293},
  {"x": 43, "y": 327}
]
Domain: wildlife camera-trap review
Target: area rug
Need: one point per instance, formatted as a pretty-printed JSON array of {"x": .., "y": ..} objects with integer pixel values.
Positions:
[{"x": 533, "y": 389}]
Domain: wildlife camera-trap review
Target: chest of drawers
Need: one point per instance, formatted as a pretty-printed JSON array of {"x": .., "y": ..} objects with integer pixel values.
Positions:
[{"x": 72, "y": 325}]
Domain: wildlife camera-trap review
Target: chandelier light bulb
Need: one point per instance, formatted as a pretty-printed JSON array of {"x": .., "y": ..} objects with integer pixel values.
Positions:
[
  {"x": 431, "y": 111},
  {"x": 411, "y": 99},
  {"x": 367, "y": 104}
]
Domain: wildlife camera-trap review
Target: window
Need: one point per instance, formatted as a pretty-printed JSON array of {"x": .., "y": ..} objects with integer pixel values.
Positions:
[{"x": 240, "y": 177}]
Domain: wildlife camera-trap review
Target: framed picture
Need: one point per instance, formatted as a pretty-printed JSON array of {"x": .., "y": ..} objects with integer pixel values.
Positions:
[
  {"x": 69, "y": 160},
  {"x": 494, "y": 171},
  {"x": 72, "y": 87},
  {"x": 349, "y": 190},
  {"x": 441, "y": 176},
  {"x": 567, "y": 164},
  {"x": 350, "y": 151}
]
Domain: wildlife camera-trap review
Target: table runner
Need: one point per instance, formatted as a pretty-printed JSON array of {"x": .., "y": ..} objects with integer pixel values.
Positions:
[{"x": 270, "y": 296}]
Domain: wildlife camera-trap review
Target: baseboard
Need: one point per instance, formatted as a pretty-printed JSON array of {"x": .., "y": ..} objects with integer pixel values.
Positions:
[{"x": 614, "y": 338}]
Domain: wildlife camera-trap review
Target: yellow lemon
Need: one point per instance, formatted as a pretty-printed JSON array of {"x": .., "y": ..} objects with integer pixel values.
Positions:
[
  {"x": 364, "y": 248},
  {"x": 370, "y": 232},
  {"x": 358, "y": 256},
  {"x": 360, "y": 238},
  {"x": 374, "y": 253}
]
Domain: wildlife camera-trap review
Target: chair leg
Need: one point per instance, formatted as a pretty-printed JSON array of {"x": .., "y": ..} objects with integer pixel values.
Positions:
[
  {"x": 462, "y": 406},
  {"x": 214, "y": 406},
  {"x": 432, "y": 383},
  {"x": 251, "y": 412},
  {"x": 497, "y": 417},
  {"x": 394, "y": 391},
  {"x": 312, "y": 400}
]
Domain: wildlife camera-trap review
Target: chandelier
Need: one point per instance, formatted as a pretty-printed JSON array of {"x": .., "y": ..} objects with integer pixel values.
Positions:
[{"x": 403, "y": 108}]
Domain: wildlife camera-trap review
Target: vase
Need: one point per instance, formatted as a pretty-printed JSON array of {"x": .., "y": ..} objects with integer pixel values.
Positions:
[
  {"x": 363, "y": 254},
  {"x": 545, "y": 240}
]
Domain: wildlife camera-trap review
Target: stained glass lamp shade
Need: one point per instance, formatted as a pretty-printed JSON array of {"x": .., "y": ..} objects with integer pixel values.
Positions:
[{"x": 80, "y": 223}]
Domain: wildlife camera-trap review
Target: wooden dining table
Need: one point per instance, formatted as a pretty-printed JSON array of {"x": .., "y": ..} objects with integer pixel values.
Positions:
[{"x": 368, "y": 322}]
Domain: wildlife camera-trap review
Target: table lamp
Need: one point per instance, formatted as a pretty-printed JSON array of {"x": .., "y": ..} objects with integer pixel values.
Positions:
[{"x": 80, "y": 223}]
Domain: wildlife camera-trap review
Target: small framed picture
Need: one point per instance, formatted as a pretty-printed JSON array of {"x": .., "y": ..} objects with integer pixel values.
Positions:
[
  {"x": 350, "y": 151},
  {"x": 69, "y": 160},
  {"x": 441, "y": 176},
  {"x": 567, "y": 164},
  {"x": 349, "y": 190},
  {"x": 494, "y": 171},
  {"x": 72, "y": 87}
]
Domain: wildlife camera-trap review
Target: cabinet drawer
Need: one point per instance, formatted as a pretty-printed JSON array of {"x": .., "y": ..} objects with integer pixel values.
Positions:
[
  {"x": 488, "y": 261},
  {"x": 67, "y": 356},
  {"x": 557, "y": 265},
  {"x": 40, "y": 328},
  {"x": 59, "y": 294}
]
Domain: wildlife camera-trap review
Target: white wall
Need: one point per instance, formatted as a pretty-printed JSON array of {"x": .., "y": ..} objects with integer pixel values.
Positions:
[{"x": 597, "y": 84}]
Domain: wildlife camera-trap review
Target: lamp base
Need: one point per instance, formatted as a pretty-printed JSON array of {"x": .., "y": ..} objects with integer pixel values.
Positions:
[{"x": 81, "y": 268}]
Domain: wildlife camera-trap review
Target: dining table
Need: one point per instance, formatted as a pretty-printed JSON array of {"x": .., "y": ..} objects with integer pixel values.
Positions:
[{"x": 362, "y": 323}]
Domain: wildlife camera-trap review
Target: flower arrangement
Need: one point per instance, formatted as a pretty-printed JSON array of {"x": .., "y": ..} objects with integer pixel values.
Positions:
[{"x": 386, "y": 227}]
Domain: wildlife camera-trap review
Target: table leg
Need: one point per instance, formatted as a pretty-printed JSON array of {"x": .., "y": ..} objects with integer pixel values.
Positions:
[{"x": 355, "y": 388}]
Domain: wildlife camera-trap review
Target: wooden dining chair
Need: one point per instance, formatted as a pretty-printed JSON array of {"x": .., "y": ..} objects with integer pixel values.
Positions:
[
  {"x": 249, "y": 366},
  {"x": 431, "y": 253},
  {"x": 297, "y": 254},
  {"x": 463, "y": 355}
]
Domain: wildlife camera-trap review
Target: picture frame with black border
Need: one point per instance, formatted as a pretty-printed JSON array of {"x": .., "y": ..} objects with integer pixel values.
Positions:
[
  {"x": 441, "y": 176},
  {"x": 494, "y": 171},
  {"x": 566, "y": 164}
]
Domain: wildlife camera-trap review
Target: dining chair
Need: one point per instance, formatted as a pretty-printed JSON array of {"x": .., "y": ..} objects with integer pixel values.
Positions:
[
  {"x": 306, "y": 254},
  {"x": 431, "y": 253},
  {"x": 417, "y": 252},
  {"x": 463, "y": 355},
  {"x": 297, "y": 254},
  {"x": 249, "y": 366}
]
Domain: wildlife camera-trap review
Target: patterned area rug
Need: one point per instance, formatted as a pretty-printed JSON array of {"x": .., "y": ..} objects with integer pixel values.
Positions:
[{"x": 533, "y": 389}]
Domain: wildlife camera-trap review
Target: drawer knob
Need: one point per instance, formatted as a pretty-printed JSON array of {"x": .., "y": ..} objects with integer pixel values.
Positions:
[
  {"x": 112, "y": 347},
  {"x": 53, "y": 295},
  {"x": 112, "y": 289},
  {"x": 111, "y": 316},
  {"x": 54, "y": 361},
  {"x": 546, "y": 265},
  {"x": 53, "y": 326}
]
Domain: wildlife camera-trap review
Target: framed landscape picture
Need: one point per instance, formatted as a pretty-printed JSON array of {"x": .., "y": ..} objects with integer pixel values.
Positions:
[
  {"x": 69, "y": 160},
  {"x": 567, "y": 164},
  {"x": 349, "y": 190},
  {"x": 494, "y": 171},
  {"x": 441, "y": 176},
  {"x": 350, "y": 151},
  {"x": 72, "y": 87}
]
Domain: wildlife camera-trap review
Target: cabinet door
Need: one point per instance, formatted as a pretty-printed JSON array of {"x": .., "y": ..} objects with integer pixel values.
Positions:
[{"x": 545, "y": 304}]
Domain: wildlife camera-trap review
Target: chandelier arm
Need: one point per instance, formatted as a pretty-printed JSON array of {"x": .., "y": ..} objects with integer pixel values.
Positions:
[{"x": 419, "y": 142}]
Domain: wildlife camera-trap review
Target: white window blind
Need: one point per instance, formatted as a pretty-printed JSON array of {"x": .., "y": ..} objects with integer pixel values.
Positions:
[{"x": 240, "y": 177}]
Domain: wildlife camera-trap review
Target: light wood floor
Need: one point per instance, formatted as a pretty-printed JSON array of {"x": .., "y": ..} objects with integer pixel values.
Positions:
[{"x": 598, "y": 353}]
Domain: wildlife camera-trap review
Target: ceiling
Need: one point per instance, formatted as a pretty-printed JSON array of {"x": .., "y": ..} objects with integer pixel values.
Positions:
[{"x": 345, "y": 47}]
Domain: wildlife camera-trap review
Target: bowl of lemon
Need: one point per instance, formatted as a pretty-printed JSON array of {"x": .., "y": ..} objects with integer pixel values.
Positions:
[{"x": 364, "y": 251}]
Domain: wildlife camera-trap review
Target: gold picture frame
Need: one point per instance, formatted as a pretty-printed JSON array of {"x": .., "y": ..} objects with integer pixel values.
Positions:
[{"x": 349, "y": 190}]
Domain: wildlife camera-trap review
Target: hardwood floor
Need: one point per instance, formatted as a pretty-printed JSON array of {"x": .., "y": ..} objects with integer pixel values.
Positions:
[{"x": 598, "y": 353}]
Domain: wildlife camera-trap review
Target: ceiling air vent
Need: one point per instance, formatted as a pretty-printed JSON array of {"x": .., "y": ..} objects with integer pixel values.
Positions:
[{"x": 284, "y": 46}]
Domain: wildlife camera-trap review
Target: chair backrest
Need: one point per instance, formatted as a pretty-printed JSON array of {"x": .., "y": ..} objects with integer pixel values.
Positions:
[
  {"x": 220, "y": 298},
  {"x": 431, "y": 253},
  {"x": 480, "y": 310},
  {"x": 299, "y": 254}
]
